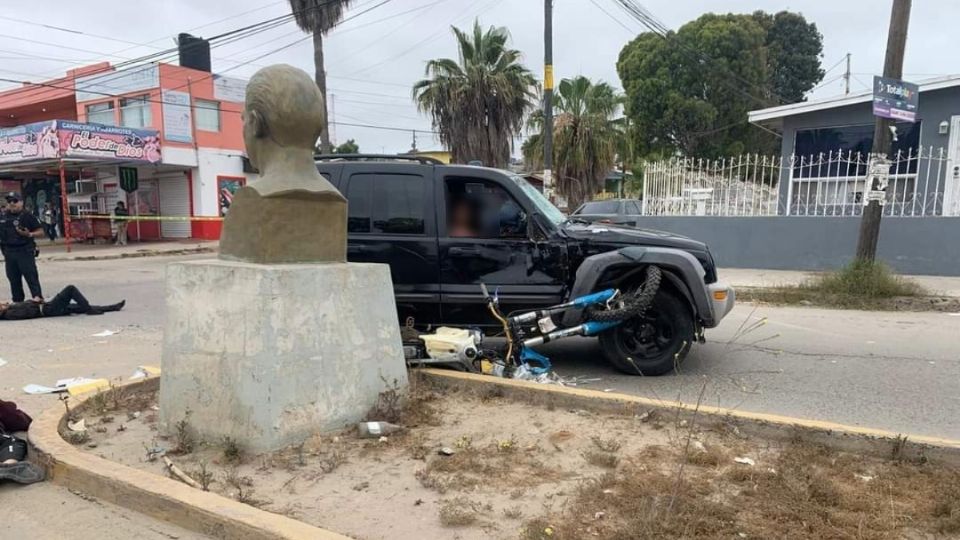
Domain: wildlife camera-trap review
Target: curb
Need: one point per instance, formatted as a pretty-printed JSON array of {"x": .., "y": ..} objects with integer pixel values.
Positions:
[
  {"x": 131, "y": 255},
  {"x": 863, "y": 440},
  {"x": 161, "y": 498}
]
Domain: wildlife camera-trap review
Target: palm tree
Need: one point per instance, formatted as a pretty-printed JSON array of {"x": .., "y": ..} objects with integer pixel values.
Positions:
[
  {"x": 478, "y": 104},
  {"x": 317, "y": 17},
  {"x": 585, "y": 138}
]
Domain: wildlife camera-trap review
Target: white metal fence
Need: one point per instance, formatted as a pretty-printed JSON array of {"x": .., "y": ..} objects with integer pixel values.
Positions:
[
  {"x": 830, "y": 184},
  {"x": 740, "y": 186}
]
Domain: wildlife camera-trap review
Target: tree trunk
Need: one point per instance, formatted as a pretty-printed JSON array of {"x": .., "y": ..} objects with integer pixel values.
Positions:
[{"x": 320, "y": 76}]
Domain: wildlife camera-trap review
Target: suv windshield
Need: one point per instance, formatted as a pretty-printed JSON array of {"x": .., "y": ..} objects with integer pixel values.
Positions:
[
  {"x": 544, "y": 206},
  {"x": 599, "y": 207}
]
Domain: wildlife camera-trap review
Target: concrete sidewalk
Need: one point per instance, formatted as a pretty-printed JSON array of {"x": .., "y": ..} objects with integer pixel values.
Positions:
[
  {"x": 746, "y": 277},
  {"x": 94, "y": 252}
]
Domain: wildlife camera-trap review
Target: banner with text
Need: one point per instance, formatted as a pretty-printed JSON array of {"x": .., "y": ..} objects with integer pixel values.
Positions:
[{"x": 57, "y": 139}]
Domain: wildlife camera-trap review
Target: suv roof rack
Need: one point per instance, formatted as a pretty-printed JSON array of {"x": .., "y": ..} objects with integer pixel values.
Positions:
[{"x": 378, "y": 157}]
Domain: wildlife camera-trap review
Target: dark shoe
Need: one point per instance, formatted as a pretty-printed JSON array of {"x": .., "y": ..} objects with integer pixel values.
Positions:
[
  {"x": 21, "y": 472},
  {"x": 116, "y": 307}
]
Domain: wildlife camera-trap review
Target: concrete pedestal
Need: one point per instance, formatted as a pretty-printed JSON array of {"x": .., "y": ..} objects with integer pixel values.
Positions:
[{"x": 271, "y": 354}]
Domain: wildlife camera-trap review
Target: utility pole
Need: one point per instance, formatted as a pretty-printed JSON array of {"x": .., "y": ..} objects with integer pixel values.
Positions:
[
  {"x": 548, "y": 98},
  {"x": 333, "y": 120},
  {"x": 846, "y": 77},
  {"x": 882, "y": 136}
]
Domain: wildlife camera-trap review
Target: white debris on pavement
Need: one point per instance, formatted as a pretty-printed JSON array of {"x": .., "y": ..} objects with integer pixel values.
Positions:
[{"x": 106, "y": 333}]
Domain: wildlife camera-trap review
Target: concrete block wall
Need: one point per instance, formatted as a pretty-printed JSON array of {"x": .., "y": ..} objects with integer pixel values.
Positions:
[{"x": 922, "y": 246}]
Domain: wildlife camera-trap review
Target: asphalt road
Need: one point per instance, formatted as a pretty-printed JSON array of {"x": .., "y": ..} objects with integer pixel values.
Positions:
[{"x": 895, "y": 371}]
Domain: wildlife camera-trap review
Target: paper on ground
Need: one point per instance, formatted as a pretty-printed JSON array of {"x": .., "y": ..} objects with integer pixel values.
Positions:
[
  {"x": 2, "y": 362},
  {"x": 143, "y": 372},
  {"x": 106, "y": 333},
  {"x": 75, "y": 386}
]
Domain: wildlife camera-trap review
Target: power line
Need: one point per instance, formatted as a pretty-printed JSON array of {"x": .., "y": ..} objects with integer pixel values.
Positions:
[
  {"x": 429, "y": 38},
  {"x": 637, "y": 11},
  {"x": 229, "y": 37},
  {"x": 614, "y": 19},
  {"x": 198, "y": 107}
]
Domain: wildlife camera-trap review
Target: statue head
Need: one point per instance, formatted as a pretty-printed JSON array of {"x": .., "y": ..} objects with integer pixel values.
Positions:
[{"x": 283, "y": 110}]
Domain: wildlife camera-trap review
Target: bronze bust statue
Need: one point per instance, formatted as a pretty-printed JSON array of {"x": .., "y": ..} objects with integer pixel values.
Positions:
[{"x": 291, "y": 214}]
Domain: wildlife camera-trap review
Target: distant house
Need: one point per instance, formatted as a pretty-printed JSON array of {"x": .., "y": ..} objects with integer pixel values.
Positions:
[
  {"x": 825, "y": 144},
  {"x": 442, "y": 156}
]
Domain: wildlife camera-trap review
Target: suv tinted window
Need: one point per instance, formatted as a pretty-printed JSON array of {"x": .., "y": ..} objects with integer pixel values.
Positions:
[
  {"x": 600, "y": 207},
  {"x": 385, "y": 204}
]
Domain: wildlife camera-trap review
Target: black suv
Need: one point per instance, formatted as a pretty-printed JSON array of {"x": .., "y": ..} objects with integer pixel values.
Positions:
[{"x": 445, "y": 229}]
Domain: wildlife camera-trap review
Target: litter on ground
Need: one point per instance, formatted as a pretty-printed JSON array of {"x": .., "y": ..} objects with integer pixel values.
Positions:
[{"x": 106, "y": 333}]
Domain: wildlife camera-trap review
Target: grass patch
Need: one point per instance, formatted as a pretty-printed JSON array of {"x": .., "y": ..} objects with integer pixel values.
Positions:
[
  {"x": 859, "y": 285},
  {"x": 802, "y": 491}
]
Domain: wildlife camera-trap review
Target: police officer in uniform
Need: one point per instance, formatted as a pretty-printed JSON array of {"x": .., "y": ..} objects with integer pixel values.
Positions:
[{"x": 17, "y": 232}]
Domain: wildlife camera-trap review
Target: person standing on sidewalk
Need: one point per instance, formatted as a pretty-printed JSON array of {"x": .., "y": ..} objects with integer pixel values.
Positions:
[
  {"x": 49, "y": 218},
  {"x": 121, "y": 211},
  {"x": 18, "y": 229}
]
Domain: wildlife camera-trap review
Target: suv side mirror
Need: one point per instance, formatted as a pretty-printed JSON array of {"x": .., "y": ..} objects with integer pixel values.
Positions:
[{"x": 536, "y": 228}]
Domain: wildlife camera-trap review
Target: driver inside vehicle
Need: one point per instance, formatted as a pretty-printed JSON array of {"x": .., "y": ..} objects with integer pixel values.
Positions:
[{"x": 461, "y": 220}]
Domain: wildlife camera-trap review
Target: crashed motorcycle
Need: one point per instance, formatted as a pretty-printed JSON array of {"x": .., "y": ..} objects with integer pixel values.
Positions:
[{"x": 470, "y": 350}]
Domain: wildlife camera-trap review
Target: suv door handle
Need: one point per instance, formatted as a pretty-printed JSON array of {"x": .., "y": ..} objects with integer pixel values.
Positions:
[{"x": 463, "y": 252}]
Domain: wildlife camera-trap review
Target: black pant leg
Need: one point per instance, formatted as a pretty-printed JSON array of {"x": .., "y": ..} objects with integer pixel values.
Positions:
[
  {"x": 28, "y": 267},
  {"x": 59, "y": 304},
  {"x": 80, "y": 304},
  {"x": 12, "y": 267}
]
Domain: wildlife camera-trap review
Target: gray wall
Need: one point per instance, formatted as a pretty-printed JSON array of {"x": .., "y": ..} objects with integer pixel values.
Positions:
[
  {"x": 924, "y": 246},
  {"x": 935, "y": 106}
]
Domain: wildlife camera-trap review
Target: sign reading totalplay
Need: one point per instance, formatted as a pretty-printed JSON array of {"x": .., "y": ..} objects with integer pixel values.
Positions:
[{"x": 896, "y": 99}]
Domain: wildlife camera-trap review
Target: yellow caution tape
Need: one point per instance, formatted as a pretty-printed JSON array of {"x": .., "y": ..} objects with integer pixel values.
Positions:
[{"x": 147, "y": 218}]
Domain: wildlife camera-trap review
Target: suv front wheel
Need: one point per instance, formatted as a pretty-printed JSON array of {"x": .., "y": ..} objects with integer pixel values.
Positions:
[{"x": 654, "y": 343}]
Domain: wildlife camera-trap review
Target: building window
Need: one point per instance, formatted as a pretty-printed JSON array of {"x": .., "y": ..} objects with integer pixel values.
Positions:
[
  {"x": 101, "y": 113},
  {"x": 850, "y": 141},
  {"x": 135, "y": 112},
  {"x": 207, "y": 114},
  {"x": 830, "y": 167}
]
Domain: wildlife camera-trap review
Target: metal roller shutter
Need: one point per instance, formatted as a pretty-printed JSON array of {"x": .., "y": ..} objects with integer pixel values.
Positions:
[{"x": 174, "y": 201}]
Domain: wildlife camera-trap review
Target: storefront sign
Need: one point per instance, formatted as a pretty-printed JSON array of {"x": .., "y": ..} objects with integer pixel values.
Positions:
[
  {"x": 29, "y": 141},
  {"x": 895, "y": 99},
  {"x": 129, "y": 179},
  {"x": 57, "y": 139},
  {"x": 107, "y": 142},
  {"x": 112, "y": 83},
  {"x": 177, "y": 123},
  {"x": 229, "y": 89}
]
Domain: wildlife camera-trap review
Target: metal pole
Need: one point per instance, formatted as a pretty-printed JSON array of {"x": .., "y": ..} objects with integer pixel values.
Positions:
[
  {"x": 893, "y": 69},
  {"x": 548, "y": 98},
  {"x": 66, "y": 207}
]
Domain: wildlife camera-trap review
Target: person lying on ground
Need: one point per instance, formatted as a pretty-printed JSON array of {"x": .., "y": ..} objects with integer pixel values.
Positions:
[
  {"x": 69, "y": 301},
  {"x": 13, "y": 450}
]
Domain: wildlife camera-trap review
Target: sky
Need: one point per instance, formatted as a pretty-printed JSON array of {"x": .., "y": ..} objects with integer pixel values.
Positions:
[{"x": 376, "y": 55}]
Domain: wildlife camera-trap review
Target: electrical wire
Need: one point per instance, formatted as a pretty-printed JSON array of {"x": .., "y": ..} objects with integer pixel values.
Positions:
[
  {"x": 198, "y": 107},
  {"x": 638, "y": 12},
  {"x": 233, "y": 35}
]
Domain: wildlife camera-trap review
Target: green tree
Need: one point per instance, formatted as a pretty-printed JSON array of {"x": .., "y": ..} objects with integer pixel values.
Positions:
[
  {"x": 690, "y": 93},
  {"x": 794, "y": 51},
  {"x": 317, "y": 17},
  {"x": 585, "y": 138},
  {"x": 479, "y": 102},
  {"x": 349, "y": 147}
]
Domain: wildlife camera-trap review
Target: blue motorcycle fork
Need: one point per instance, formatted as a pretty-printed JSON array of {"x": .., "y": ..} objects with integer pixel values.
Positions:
[{"x": 601, "y": 297}]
